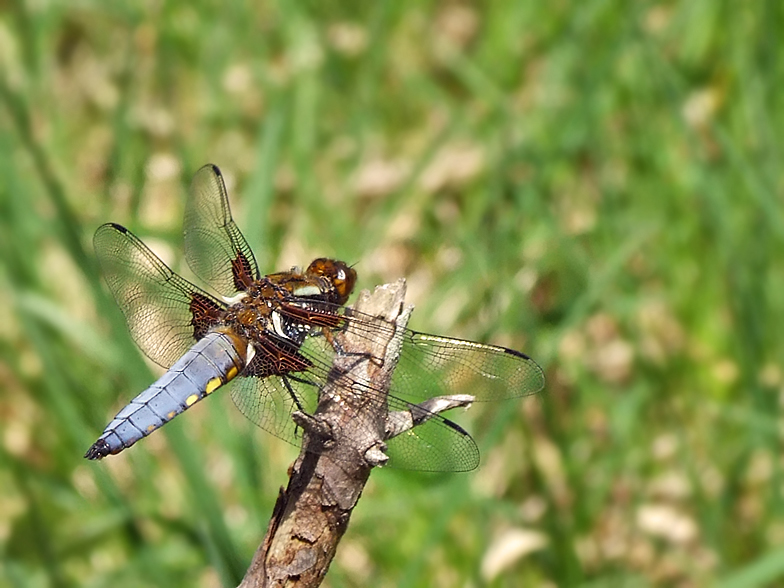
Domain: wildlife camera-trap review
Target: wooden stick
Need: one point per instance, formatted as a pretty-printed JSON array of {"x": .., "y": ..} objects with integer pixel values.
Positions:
[{"x": 326, "y": 481}]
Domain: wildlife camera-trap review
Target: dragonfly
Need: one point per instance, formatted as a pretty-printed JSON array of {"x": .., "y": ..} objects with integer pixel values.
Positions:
[{"x": 272, "y": 339}]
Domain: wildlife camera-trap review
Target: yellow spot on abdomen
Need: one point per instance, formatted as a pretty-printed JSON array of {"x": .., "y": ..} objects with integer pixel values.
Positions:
[
  {"x": 192, "y": 398},
  {"x": 171, "y": 415},
  {"x": 213, "y": 385},
  {"x": 231, "y": 373},
  {"x": 150, "y": 428}
]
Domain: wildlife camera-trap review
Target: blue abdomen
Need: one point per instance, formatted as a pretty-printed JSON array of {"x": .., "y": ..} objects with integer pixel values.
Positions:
[{"x": 213, "y": 361}]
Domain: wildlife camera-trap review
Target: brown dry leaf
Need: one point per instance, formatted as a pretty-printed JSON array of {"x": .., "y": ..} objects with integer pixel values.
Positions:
[
  {"x": 700, "y": 107},
  {"x": 378, "y": 177},
  {"x": 609, "y": 356},
  {"x": 666, "y": 522},
  {"x": 510, "y": 547},
  {"x": 662, "y": 336},
  {"x": 347, "y": 38},
  {"x": 457, "y": 25},
  {"x": 453, "y": 166}
]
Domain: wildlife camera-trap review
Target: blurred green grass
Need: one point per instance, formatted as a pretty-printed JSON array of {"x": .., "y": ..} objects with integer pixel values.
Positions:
[{"x": 594, "y": 183}]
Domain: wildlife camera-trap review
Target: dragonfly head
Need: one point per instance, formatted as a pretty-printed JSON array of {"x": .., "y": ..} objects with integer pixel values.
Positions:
[{"x": 340, "y": 277}]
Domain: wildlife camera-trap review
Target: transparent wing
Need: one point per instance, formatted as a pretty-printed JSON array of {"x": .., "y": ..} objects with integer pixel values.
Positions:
[
  {"x": 431, "y": 365},
  {"x": 165, "y": 313},
  {"x": 439, "y": 445},
  {"x": 215, "y": 249},
  {"x": 436, "y": 445},
  {"x": 268, "y": 403}
]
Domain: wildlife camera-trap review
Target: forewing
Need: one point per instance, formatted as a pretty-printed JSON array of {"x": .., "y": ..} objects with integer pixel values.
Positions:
[
  {"x": 431, "y": 365},
  {"x": 165, "y": 313},
  {"x": 215, "y": 249}
]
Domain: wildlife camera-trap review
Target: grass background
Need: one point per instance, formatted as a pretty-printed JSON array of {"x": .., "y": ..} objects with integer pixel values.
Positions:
[{"x": 596, "y": 183}]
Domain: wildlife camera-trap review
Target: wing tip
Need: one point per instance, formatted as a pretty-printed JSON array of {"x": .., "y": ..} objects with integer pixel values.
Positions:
[
  {"x": 517, "y": 353},
  {"x": 210, "y": 167},
  {"x": 470, "y": 456},
  {"x": 532, "y": 362},
  {"x": 114, "y": 226}
]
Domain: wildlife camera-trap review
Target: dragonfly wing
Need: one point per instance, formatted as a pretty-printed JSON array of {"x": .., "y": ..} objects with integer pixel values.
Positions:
[
  {"x": 432, "y": 365},
  {"x": 275, "y": 383},
  {"x": 436, "y": 445},
  {"x": 429, "y": 366},
  {"x": 215, "y": 248},
  {"x": 166, "y": 314},
  {"x": 268, "y": 403}
]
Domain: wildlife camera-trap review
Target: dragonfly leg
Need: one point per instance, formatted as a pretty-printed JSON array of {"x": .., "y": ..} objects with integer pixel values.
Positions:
[
  {"x": 328, "y": 335},
  {"x": 294, "y": 397}
]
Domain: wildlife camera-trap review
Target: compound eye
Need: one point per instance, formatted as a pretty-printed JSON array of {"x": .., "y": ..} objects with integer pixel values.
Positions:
[
  {"x": 344, "y": 282},
  {"x": 341, "y": 277}
]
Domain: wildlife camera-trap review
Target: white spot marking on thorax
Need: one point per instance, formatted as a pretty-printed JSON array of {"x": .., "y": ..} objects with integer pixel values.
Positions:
[
  {"x": 236, "y": 298},
  {"x": 277, "y": 325}
]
